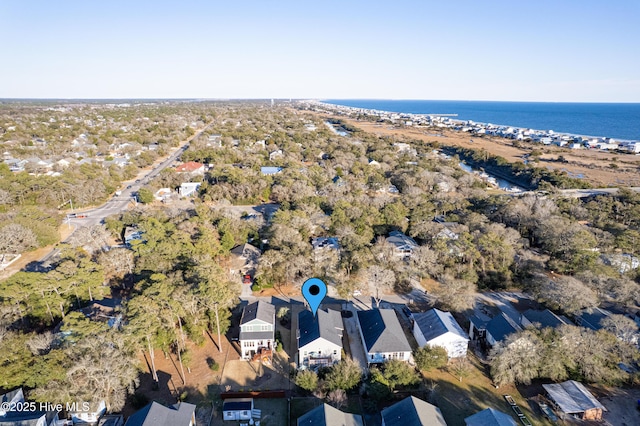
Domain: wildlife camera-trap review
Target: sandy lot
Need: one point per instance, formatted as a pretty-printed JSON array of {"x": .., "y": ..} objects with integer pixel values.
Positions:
[
  {"x": 598, "y": 168},
  {"x": 621, "y": 404}
]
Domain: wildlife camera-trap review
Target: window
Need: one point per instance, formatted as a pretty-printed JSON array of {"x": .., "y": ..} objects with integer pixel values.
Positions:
[{"x": 335, "y": 352}]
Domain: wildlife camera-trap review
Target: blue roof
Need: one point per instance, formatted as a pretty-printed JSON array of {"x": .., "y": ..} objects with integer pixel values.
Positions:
[
  {"x": 270, "y": 170},
  {"x": 545, "y": 318}
]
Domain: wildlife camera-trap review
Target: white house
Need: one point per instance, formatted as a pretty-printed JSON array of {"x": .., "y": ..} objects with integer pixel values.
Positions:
[
  {"x": 257, "y": 327},
  {"x": 382, "y": 336},
  {"x": 237, "y": 409},
  {"x": 319, "y": 339},
  {"x": 24, "y": 417},
  {"x": 89, "y": 414},
  {"x": 438, "y": 328},
  {"x": 187, "y": 189},
  {"x": 403, "y": 245}
]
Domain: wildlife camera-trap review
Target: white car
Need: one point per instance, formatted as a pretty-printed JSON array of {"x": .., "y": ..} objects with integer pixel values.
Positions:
[{"x": 357, "y": 293}]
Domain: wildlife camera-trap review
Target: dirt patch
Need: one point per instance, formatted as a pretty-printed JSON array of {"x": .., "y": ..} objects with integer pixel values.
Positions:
[
  {"x": 596, "y": 167},
  {"x": 622, "y": 405}
]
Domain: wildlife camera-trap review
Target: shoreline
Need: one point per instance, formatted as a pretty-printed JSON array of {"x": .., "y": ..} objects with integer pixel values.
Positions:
[{"x": 449, "y": 116}]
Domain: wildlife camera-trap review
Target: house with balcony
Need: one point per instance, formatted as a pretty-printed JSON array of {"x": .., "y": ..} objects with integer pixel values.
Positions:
[
  {"x": 257, "y": 327},
  {"x": 319, "y": 339}
]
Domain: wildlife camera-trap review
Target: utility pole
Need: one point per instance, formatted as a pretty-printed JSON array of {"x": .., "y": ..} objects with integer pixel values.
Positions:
[{"x": 218, "y": 327}]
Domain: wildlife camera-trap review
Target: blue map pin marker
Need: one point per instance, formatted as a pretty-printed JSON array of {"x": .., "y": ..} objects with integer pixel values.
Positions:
[{"x": 314, "y": 290}]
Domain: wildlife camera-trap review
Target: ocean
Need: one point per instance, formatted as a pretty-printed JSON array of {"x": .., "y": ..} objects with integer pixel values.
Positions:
[{"x": 614, "y": 120}]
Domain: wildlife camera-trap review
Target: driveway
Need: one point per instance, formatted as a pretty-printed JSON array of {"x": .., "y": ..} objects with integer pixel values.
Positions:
[
  {"x": 503, "y": 301},
  {"x": 352, "y": 329}
]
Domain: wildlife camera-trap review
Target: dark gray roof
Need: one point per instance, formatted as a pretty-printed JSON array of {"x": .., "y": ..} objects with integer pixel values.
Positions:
[
  {"x": 490, "y": 417},
  {"x": 154, "y": 414},
  {"x": 545, "y": 318},
  {"x": 572, "y": 397},
  {"x": 255, "y": 335},
  {"x": 434, "y": 323},
  {"x": 412, "y": 411},
  {"x": 260, "y": 310},
  {"x": 401, "y": 241},
  {"x": 501, "y": 326},
  {"x": 590, "y": 318},
  {"x": 382, "y": 332},
  {"x": 327, "y": 325},
  {"x": 237, "y": 404},
  {"x": 326, "y": 415},
  {"x": 27, "y": 418}
]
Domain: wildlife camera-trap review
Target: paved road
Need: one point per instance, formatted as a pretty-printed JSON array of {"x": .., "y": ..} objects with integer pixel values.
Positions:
[{"x": 119, "y": 203}]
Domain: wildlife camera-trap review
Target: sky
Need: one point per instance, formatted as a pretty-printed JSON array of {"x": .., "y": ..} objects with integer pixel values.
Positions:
[{"x": 542, "y": 50}]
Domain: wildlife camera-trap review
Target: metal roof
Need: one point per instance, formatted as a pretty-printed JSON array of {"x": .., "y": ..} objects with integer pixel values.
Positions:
[
  {"x": 490, "y": 417},
  {"x": 382, "y": 331},
  {"x": 434, "y": 323},
  {"x": 572, "y": 397}
]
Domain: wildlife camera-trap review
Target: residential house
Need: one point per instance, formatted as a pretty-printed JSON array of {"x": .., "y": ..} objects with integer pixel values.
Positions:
[
  {"x": 573, "y": 399},
  {"x": 326, "y": 415},
  {"x": 257, "y": 327},
  {"x": 155, "y": 414},
  {"x": 17, "y": 417},
  {"x": 493, "y": 331},
  {"x": 191, "y": 167},
  {"x": 591, "y": 318},
  {"x": 438, "y": 328},
  {"x": 490, "y": 417},
  {"x": 267, "y": 171},
  {"x": 90, "y": 416},
  {"x": 325, "y": 248},
  {"x": 162, "y": 194},
  {"x": 319, "y": 339},
  {"x": 403, "y": 245},
  {"x": 541, "y": 319},
  {"x": 244, "y": 260},
  {"x": 111, "y": 420},
  {"x": 275, "y": 155},
  {"x": 189, "y": 189},
  {"x": 237, "y": 408},
  {"x": 412, "y": 411},
  {"x": 382, "y": 336},
  {"x": 105, "y": 310}
]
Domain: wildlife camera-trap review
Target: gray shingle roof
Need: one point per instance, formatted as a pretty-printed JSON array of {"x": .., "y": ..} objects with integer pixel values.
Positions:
[
  {"x": 154, "y": 414},
  {"x": 260, "y": 310},
  {"x": 382, "y": 332},
  {"x": 434, "y": 323},
  {"x": 401, "y": 241},
  {"x": 572, "y": 397},
  {"x": 326, "y": 415},
  {"x": 501, "y": 326},
  {"x": 412, "y": 411},
  {"x": 490, "y": 417},
  {"x": 327, "y": 325},
  {"x": 545, "y": 318}
]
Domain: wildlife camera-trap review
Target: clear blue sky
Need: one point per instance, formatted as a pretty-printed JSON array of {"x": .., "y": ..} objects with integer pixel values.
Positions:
[{"x": 542, "y": 50}]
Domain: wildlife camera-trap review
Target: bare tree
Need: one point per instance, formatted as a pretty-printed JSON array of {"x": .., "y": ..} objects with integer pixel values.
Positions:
[
  {"x": 15, "y": 238},
  {"x": 379, "y": 279},
  {"x": 337, "y": 398},
  {"x": 566, "y": 293},
  {"x": 622, "y": 327},
  {"x": 41, "y": 344},
  {"x": 455, "y": 294}
]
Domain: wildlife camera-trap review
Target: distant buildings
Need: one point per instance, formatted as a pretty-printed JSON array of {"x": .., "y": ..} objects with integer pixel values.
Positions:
[{"x": 191, "y": 167}]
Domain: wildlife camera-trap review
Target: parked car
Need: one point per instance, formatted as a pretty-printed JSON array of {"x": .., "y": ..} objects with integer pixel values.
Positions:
[
  {"x": 246, "y": 279},
  {"x": 357, "y": 293}
]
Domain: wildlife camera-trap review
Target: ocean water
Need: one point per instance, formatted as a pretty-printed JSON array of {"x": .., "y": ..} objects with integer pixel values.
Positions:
[{"x": 614, "y": 120}]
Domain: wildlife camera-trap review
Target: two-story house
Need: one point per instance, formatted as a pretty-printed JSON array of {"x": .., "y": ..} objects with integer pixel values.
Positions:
[
  {"x": 257, "y": 327},
  {"x": 319, "y": 339}
]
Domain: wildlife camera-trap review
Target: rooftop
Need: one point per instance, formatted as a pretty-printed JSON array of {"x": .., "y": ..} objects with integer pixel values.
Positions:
[
  {"x": 327, "y": 325},
  {"x": 326, "y": 415},
  {"x": 382, "y": 331},
  {"x": 412, "y": 411},
  {"x": 434, "y": 323}
]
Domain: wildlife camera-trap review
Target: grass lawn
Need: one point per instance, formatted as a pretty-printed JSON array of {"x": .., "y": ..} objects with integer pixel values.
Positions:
[{"x": 460, "y": 399}]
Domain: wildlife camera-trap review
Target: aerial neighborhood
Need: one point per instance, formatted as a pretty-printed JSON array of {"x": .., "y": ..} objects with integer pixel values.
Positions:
[{"x": 154, "y": 253}]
